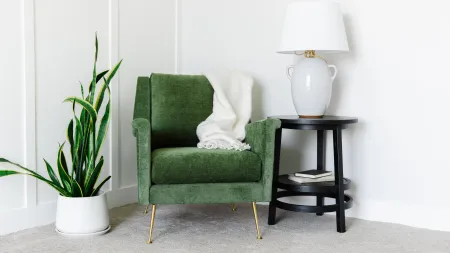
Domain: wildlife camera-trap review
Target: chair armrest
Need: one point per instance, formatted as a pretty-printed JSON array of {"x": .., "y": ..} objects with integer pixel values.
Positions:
[
  {"x": 261, "y": 137},
  {"x": 142, "y": 132},
  {"x": 141, "y": 128},
  {"x": 142, "y": 99}
]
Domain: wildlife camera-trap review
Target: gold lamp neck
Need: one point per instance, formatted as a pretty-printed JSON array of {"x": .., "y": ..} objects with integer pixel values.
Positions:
[{"x": 310, "y": 53}]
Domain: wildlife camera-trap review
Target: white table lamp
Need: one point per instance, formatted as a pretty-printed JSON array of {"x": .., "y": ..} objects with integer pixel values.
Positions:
[{"x": 312, "y": 28}]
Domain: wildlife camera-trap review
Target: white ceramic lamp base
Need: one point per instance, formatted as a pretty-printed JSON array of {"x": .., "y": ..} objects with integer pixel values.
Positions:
[{"x": 311, "y": 85}]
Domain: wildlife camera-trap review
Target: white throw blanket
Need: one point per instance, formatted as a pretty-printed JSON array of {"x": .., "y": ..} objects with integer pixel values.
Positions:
[{"x": 232, "y": 108}]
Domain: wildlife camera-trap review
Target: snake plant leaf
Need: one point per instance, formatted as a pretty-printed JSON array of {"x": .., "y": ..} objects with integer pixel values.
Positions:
[
  {"x": 105, "y": 86},
  {"x": 62, "y": 159},
  {"x": 101, "y": 75},
  {"x": 61, "y": 191},
  {"x": 94, "y": 72},
  {"x": 76, "y": 143},
  {"x": 101, "y": 95},
  {"x": 95, "y": 192},
  {"x": 77, "y": 191},
  {"x": 52, "y": 174},
  {"x": 4, "y": 173},
  {"x": 37, "y": 176},
  {"x": 79, "y": 170},
  {"x": 82, "y": 90},
  {"x": 78, "y": 131},
  {"x": 64, "y": 162},
  {"x": 66, "y": 168},
  {"x": 84, "y": 155},
  {"x": 69, "y": 134},
  {"x": 103, "y": 128},
  {"x": 84, "y": 150},
  {"x": 92, "y": 178},
  {"x": 113, "y": 71},
  {"x": 92, "y": 86},
  {"x": 96, "y": 48},
  {"x": 86, "y": 105},
  {"x": 90, "y": 157},
  {"x": 63, "y": 174},
  {"x": 83, "y": 114}
]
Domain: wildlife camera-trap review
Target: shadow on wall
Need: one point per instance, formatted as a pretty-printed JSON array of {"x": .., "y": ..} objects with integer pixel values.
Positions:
[
  {"x": 354, "y": 167},
  {"x": 338, "y": 92},
  {"x": 296, "y": 152},
  {"x": 257, "y": 103}
]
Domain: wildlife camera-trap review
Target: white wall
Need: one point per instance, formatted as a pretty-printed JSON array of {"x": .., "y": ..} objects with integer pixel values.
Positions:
[
  {"x": 148, "y": 47},
  {"x": 395, "y": 79},
  {"x": 12, "y": 92},
  {"x": 47, "y": 46}
]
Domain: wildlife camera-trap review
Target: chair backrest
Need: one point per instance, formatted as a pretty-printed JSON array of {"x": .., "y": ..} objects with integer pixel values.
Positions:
[{"x": 178, "y": 104}]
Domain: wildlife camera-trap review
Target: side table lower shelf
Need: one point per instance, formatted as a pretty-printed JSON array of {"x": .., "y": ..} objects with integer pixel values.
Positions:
[
  {"x": 320, "y": 190},
  {"x": 348, "y": 203}
]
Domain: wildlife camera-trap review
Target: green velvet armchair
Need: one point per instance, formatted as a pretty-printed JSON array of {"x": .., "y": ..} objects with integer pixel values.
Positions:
[{"x": 172, "y": 170}]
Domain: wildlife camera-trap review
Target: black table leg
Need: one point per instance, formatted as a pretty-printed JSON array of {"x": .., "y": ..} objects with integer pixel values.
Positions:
[
  {"x": 339, "y": 178},
  {"x": 321, "y": 158},
  {"x": 276, "y": 170}
]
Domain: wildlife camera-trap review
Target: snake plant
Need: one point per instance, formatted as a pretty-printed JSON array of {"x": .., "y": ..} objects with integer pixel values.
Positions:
[{"x": 86, "y": 133}]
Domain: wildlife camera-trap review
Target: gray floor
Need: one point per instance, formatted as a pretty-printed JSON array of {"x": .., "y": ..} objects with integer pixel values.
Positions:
[{"x": 215, "y": 228}]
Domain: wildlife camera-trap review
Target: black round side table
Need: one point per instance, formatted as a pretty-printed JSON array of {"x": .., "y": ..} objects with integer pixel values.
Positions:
[{"x": 320, "y": 189}]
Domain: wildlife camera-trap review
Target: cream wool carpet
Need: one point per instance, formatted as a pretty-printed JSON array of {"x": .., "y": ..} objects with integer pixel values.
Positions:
[{"x": 215, "y": 228}]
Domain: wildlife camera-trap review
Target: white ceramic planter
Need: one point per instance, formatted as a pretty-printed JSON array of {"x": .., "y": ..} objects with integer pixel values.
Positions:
[
  {"x": 82, "y": 216},
  {"x": 311, "y": 86}
]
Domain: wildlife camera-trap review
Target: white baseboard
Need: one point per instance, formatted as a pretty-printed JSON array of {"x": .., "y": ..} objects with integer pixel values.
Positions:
[
  {"x": 43, "y": 214},
  {"x": 123, "y": 196},
  {"x": 23, "y": 218},
  {"x": 418, "y": 216}
]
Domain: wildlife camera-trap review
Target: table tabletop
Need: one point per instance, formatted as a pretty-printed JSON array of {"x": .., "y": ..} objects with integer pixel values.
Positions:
[{"x": 325, "y": 120}]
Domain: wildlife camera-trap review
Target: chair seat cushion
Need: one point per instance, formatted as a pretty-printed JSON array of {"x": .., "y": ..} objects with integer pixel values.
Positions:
[{"x": 194, "y": 165}]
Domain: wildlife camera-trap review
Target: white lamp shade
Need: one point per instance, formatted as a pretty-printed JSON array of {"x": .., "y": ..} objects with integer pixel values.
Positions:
[{"x": 313, "y": 25}]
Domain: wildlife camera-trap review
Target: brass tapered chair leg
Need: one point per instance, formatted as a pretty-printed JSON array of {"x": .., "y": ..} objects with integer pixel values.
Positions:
[
  {"x": 146, "y": 209},
  {"x": 256, "y": 220},
  {"x": 151, "y": 224},
  {"x": 233, "y": 207}
]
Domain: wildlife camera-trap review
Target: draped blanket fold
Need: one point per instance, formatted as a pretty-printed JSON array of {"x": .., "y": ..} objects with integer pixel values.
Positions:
[{"x": 232, "y": 108}]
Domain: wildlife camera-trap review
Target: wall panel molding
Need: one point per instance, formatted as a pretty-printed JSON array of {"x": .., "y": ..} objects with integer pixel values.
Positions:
[
  {"x": 115, "y": 116},
  {"x": 30, "y": 99}
]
